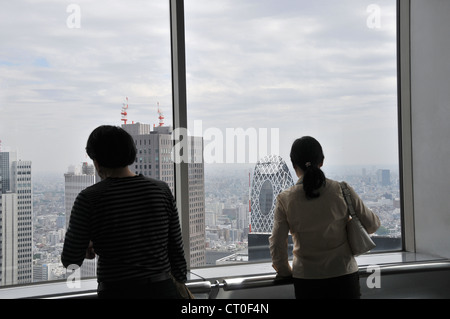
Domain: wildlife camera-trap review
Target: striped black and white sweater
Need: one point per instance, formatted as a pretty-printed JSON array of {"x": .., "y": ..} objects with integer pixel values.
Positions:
[{"x": 134, "y": 226}]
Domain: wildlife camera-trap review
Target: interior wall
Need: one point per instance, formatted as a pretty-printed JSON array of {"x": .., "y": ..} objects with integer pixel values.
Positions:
[{"x": 430, "y": 122}]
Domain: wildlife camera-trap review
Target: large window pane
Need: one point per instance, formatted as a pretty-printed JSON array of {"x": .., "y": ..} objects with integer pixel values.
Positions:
[
  {"x": 66, "y": 68},
  {"x": 261, "y": 74}
]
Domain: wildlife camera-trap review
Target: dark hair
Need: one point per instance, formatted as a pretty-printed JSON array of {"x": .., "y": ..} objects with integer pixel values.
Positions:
[
  {"x": 111, "y": 147},
  {"x": 307, "y": 154}
]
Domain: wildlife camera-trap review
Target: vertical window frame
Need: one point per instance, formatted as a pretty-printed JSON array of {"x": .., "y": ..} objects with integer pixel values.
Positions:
[
  {"x": 179, "y": 111},
  {"x": 405, "y": 124}
]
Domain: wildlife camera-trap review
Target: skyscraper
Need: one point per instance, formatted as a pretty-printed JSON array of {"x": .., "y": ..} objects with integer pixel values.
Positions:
[
  {"x": 271, "y": 176},
  {"x": 384, "y": 177},
  {"x": 75, "y": 180},
  {"x": 154, "y": 148},
  {"x": 6, "y": 158},
  {"x": 16, "y": 220},
  {"x": 196, "y": 174},
  {"x": 154, "y": 159}
]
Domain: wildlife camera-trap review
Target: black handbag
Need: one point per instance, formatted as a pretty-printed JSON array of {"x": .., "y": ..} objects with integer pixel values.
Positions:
[{"x": 358, "y": 238}]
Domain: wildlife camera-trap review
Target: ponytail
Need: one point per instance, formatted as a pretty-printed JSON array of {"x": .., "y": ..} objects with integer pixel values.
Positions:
[
  {"x": 313, "y": 179},
  {"x": 307, "y": 154}
]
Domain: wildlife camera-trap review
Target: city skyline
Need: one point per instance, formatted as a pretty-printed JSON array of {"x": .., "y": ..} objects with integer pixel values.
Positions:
[{"x": 230, "y": 189}]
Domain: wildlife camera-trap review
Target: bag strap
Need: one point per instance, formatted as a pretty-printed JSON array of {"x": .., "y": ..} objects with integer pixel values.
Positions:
[{"x": 348, "y": 199}]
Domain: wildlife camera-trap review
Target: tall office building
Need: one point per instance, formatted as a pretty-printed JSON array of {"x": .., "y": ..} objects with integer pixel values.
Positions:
[
  {"x": 154, "y": 159},
  {"x": 16, "y": 212},
  {"x": 271, "y": 176},
  {"x": 384, "y": 177},
  {"x": 196, "y": 172},
  {"x": 154, "y": 149},
  {"x": 75, "y": 180},
  {"x": 6, "y": 158}
]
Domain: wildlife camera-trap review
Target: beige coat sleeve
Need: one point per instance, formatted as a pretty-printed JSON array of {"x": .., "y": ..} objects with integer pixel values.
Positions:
[{"x": 278, "y": 241}]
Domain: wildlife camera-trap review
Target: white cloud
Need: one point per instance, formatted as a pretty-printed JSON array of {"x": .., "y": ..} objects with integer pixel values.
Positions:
[{"x": 302, "y": 66}]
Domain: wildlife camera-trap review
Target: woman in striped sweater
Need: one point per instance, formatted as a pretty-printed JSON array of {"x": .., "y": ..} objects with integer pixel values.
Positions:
[{"x": 131, "y": 222}]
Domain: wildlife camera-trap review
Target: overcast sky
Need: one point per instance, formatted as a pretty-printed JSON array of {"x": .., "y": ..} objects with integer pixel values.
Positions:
[{"x": 320, "y": 68}]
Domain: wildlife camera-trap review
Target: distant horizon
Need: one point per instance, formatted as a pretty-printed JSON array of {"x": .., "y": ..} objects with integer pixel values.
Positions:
[{"x": 328, "y": 169}]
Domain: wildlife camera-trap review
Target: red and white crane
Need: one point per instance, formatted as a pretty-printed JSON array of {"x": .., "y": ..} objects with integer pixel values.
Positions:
[
  {"x": 124, "y": 111},
  {"x": 161, "y": 116}
]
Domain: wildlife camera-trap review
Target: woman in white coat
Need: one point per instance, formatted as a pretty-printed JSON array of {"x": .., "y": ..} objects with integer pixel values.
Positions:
[{"x": 314, "y": 211}]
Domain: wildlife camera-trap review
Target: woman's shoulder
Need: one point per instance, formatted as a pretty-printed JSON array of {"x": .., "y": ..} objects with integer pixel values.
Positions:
[
  {"x": 336, "y": 184},
  {"x": 332, "y": 186},
  {"x": 292, "y": 191},
  {"x": 297, "y": 189},
  {"x": 336, "y": 187}
]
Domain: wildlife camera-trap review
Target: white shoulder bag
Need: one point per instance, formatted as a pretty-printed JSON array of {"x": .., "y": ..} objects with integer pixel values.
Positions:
[{"x": 358, "y": 238}]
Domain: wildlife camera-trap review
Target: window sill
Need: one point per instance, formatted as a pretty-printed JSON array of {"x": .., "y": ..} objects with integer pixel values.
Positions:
[
  {"x": 265, "y": 268},
  {"x": 88, "y": 287}
]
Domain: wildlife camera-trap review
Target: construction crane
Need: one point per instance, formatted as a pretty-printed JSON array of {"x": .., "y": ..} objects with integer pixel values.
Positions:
[
  {"x": 124, "y": 111},
  {"x": 161, "y": 116}
]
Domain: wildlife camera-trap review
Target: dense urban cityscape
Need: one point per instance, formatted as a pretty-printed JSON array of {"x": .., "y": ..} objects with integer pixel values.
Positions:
[
  {"x": 226, "y": 202},
  {"x": 230, "y": 205}
]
